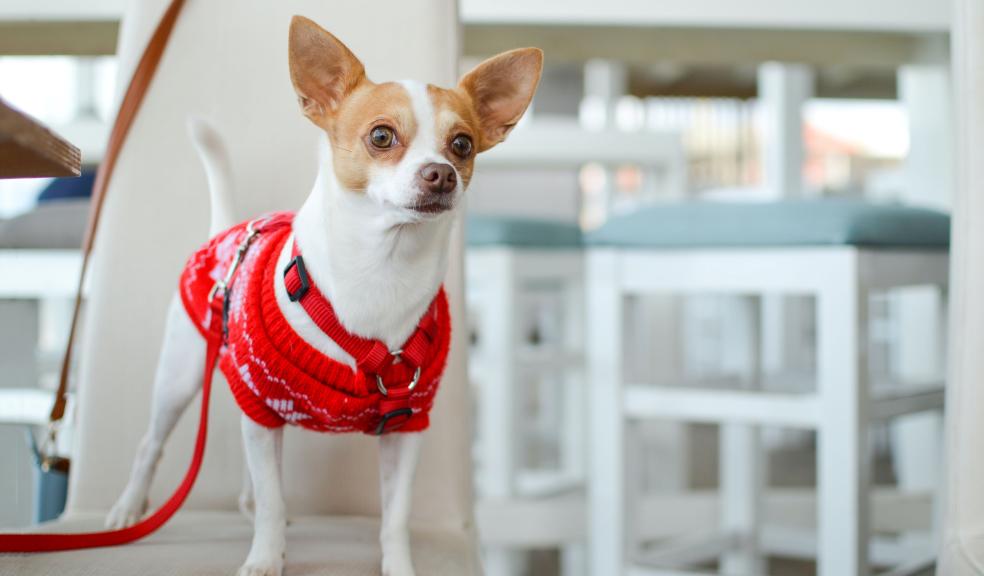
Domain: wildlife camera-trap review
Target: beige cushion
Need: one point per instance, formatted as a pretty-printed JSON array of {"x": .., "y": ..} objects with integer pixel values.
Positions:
[{"x": 216, "y": 543}]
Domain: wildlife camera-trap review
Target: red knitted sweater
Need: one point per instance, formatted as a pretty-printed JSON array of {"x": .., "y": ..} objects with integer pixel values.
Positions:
[{"x": 276, "y": 376}]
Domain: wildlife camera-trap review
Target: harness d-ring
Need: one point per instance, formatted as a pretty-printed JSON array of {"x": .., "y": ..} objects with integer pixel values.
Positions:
[{"x": 413, "y": 383}]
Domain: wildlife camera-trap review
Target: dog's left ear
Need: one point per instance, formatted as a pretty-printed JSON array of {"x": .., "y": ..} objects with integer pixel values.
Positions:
[
  {"x": 501, "y": 89},
  {"x": 322, "y": 69}
]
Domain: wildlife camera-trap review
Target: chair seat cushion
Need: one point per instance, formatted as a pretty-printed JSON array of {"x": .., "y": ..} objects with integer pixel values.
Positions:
[
  {"x": 819, "y": 222},
  {"x": 197, "y": 543},
  {"x": 521, "y": 232}
]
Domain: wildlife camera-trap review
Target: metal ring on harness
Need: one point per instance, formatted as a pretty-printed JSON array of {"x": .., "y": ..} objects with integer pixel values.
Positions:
[{"x": 385, "y": 392}]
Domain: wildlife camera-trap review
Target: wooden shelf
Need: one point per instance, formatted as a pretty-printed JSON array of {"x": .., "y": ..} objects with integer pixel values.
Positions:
[{"x": 28, "y": 149}]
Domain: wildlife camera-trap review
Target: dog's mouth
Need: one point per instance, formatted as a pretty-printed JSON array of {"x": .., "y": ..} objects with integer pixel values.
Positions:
[{"x": 432, "y": 207}]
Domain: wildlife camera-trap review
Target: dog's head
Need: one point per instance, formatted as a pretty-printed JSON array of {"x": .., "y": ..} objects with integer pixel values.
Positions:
[{"x": 409, "y": 147}]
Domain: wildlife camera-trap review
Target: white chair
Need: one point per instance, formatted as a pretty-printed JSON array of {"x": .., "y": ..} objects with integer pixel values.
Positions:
[
  {"x": 839, "y": 252},
  {"x": 516, "y": 268},
  {"x": 229, "y": 63}
]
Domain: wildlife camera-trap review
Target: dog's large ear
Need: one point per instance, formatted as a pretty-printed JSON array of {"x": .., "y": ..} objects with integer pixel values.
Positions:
[
  {"x": 322, "y": 69},
  {"x": 501, "y": 89}
]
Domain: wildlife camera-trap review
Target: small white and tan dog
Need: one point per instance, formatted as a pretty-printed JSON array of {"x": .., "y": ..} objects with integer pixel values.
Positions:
[{"x": 375, "y": 232}]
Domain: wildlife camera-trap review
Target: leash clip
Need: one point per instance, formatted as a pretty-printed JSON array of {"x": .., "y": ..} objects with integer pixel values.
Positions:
[
  {"x": 223, "y": 285},
  {"x": 413, "y": 383}
]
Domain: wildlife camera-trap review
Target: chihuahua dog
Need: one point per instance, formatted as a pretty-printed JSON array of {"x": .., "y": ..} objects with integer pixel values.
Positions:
[{"x": 374, "y": 233}]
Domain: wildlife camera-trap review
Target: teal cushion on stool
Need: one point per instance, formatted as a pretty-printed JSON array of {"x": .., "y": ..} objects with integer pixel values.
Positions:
[
  {"x": 521, "y": 232},
  {"x": 820, "y": 222}
]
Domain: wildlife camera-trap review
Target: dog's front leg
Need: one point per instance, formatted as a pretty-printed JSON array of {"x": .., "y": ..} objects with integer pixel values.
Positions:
[
  {"x": 397, "y": 464},
  {"x": 266, "y": 555}
]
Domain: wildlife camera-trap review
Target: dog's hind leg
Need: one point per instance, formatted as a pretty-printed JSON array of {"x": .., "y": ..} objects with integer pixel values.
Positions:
[{"x": 178, "y": 379}]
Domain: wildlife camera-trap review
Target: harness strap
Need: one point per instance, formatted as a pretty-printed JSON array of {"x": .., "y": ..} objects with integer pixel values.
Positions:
[{"x": 371, "y": 356}]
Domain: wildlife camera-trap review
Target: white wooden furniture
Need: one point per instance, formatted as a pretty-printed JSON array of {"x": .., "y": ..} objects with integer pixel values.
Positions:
[
  {"x": 838, "y": 258},
  {"x": 525, "y": 300},
  {"x": 49, "y": 276}
]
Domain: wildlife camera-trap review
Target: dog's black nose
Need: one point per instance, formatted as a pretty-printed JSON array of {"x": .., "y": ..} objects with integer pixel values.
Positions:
[{"x": 437, "y": 178}]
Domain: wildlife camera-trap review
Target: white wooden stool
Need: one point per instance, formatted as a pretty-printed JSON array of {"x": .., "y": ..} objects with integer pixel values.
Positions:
[
  {"x": 526, "y": 302},
  {"x": 837, "y": 251}
]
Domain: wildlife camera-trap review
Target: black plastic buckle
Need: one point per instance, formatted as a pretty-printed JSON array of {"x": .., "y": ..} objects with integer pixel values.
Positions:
[
  {"x": 226, "y": 298},
  {"x": 381, "y": 429},
  {"x": 302, "y": 275}
]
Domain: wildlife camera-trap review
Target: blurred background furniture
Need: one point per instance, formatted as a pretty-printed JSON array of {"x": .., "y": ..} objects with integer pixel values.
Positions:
[
  {"x": 839, "y": 252},
  {"x": 525, "y": 301},
  {"x": 36, "y": 287},
  {"x": 149, "y": 226}
]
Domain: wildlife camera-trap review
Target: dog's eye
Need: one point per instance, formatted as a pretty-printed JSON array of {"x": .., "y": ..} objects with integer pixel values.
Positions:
[
  {"x": 461, "y": 145},
  {"x": 382, "y": 137}
]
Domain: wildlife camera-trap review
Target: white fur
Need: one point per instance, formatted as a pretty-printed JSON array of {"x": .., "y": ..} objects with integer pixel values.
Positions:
[{"x": 380, "y": 263}]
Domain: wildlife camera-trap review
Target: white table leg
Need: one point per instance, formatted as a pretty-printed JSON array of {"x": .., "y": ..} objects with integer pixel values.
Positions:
[
  {"x": 606, "y": 476},
  {"x": 843, "y": 459},
  {"x": 499, "y": 409}
]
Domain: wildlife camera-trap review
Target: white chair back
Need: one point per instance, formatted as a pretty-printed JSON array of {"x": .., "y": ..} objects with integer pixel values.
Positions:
[{"x": 227, "y": 61}]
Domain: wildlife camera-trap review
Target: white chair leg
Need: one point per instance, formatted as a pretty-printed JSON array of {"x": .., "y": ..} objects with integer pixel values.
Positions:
[
  {"x": 843, "y": 459},
  {"x": 574, "y": 560},
  {"x": 742, "y": 471},
  {"x": 574, "y": 556},
  {"x": 499, "y": 409},
  {"x": 917, "y": 439},
  {"x": 917, "y": 444},
  {"x": 606, "y": 476},
  {"x": 741, "y": 491}
]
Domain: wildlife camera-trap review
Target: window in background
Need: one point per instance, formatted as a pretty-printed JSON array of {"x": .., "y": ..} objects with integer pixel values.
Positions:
[{"x": 854, "y": 147}]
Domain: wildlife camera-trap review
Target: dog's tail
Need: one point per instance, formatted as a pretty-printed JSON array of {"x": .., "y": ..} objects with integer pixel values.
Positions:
[{"x": 215, "y": 158}]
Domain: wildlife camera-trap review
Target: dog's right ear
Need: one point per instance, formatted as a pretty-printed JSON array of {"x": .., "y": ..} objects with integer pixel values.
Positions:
[{"x": 322, "y": 69}]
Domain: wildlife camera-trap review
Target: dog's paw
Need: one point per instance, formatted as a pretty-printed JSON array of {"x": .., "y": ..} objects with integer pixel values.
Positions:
[
  {"x": 396, "y": 558},
  {"x": 126, "y": 512},
  {"x": 261, "y": 568},
  {"x": 397, "y": 566}
]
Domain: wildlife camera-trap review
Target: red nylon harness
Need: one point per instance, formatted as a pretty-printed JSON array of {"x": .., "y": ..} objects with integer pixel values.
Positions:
[
  {"x": 372, "y": 356},
  {"x": 417, "y": 366}
]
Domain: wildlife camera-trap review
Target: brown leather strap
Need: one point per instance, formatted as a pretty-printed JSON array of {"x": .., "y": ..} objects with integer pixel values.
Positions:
[{"x": 129, "y": 107}]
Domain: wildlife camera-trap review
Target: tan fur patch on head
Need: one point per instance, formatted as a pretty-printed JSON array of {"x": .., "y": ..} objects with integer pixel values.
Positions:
[
  {"x": 455, "y": 116},
  {"x": 369, "y": 106}
]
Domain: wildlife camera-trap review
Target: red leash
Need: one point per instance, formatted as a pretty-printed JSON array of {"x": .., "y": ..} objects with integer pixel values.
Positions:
[{"x": 55, "y": 542}]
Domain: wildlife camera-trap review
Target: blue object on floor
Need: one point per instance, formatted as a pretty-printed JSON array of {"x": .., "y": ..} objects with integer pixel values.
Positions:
[
  {"x": 819, "y": 222},
  {"x": 521, "y": 232},
  {"x": 50, "y": 487}
]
